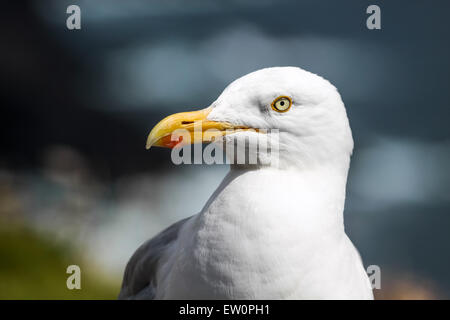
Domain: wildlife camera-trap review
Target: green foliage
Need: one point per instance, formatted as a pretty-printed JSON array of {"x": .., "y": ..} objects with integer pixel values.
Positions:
[{"x": 34, "y": 267}]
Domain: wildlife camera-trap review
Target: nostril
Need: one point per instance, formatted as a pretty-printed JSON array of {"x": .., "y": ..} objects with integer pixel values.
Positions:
[{"x": 187, "y": 122}]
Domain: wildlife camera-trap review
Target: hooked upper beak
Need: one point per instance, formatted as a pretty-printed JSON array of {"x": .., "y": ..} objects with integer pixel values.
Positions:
[{"x": 187, "y": 128}]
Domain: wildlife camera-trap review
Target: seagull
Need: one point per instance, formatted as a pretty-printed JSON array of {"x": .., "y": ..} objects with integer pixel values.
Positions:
[{"x": 271, "y": 230}]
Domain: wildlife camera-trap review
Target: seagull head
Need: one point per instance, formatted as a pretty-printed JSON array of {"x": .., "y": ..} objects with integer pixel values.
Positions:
[{"x": 304, "y": 110}]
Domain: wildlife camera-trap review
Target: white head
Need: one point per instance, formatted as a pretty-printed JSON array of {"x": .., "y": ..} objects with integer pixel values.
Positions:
[
  {"x": 314, "y": 130},
  {"x": 306, "y": 109}
]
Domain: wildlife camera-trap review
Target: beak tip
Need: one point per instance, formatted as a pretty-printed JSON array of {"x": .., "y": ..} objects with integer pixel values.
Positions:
[{"x": 149, "y": 143}]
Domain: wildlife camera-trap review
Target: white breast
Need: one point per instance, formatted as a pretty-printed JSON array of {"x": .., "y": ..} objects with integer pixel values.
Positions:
[{"x": 267, "y": 234}]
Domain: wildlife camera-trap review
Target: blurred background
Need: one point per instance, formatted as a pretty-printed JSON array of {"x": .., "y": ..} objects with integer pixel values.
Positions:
[{"x": 78, "y": 187}]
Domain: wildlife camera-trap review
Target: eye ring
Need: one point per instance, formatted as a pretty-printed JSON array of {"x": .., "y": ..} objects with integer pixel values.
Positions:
[{"x": 281, "y": 104}]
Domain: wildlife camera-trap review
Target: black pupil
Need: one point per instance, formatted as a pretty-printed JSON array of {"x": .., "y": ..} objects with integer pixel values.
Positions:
[{"x": 282, "y": 103}]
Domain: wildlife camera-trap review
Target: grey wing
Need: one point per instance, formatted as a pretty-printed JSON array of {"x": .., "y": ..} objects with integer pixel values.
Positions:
[{"x": 139, "y": 280}]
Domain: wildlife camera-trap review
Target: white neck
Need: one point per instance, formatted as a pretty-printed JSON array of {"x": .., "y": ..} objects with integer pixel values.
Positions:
[
  {"x": 263, "y": 223},
  {"x": 312, "y": 200}
]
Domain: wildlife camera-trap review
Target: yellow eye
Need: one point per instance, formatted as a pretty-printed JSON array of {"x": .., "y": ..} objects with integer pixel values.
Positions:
[{"x": 282, "y": 104}]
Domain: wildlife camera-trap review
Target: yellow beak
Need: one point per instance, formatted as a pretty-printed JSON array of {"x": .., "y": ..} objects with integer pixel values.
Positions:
[{"x": 187, "y": 128}]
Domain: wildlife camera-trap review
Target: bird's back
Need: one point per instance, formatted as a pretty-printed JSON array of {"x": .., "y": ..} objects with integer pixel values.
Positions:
[{"x": 140, "y": 277}]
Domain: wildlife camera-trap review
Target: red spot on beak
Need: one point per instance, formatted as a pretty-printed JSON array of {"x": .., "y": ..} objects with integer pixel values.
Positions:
[{"x": 167, "y": 141}]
